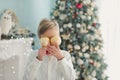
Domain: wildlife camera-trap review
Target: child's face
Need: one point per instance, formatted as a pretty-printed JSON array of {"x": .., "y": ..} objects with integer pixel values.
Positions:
[{"x": 51, "y": 33}]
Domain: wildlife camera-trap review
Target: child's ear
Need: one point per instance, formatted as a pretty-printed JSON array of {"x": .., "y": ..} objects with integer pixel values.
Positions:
[{"x": 44, "y": 41}]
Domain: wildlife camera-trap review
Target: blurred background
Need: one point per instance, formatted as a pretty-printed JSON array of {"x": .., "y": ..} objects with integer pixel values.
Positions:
[{"x": 30, "y": 13}]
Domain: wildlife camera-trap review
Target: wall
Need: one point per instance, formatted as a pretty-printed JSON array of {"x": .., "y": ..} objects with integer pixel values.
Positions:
[
  {"x": 29, "y": 12},
  {"x": 110, "y": 21}
]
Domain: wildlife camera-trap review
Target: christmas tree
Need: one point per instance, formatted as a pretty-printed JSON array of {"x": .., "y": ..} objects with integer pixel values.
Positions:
[{"x": 81, "y": 36}]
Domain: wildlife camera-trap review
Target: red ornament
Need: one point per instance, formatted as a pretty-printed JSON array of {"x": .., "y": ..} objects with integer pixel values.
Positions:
[
  {"x": 79, "y": 5},
  {"x": 75, "y": 15},
  {"x": 94, "y": 24},
  {"x": 92, "y": 63}
]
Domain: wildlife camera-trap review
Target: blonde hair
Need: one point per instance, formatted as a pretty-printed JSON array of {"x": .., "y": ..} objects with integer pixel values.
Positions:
[{"x": 46, "y": 24}]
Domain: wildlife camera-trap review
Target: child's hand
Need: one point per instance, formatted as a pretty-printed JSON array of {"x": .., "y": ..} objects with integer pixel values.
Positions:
[
  {"x": 55, "y": 51},
  {"x": 41, "y": 53}
]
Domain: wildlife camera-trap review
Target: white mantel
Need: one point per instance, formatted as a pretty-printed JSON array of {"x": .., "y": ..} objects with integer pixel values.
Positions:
[{"x": 13, "y": 57}]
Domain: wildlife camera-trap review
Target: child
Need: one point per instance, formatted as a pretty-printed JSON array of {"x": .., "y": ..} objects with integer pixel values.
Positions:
[{"x": 51, "y": 63}]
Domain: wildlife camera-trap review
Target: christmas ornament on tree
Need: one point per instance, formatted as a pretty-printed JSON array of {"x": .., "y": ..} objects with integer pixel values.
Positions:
[
  {"x": 62, "y": 5},
  {"x": 94, "y": 24},
  {"x": 78, "y": 25},
  {"x": 77, "y": 47},
  {"x": 74, "y": 16},
  {"x": 70, "y": 47},
  {"x": 56, "y": 13},
  {"x": 79, "y": 5}
]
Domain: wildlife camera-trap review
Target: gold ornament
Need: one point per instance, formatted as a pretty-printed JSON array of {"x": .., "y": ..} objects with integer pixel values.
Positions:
[
  {"x": 44, "y": 41},
  {"x": 66, "y": 36},
  {"x": 56, "y": 13},
  {"x": 21, "y": 31},
  {"x": 55, "y": 40},
  {"x": 93, "y": 73},
  {"x": 62, "y": 16},
  {"x": 97, "y": 64},
  {"x": 96, "y": 48},
  {"x": 90, "y": 12},
  {"x": 91, "y": 48},
  {"x": 70, "y": 47},
  {"x": 98, "y": 32},
  {"x": 80, "y": 54}
]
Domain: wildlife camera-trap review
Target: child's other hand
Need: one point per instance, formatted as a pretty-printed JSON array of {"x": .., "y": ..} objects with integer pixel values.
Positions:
[
  {"x": 41, "y": 53},
  {"x": 55, "y": 50}
]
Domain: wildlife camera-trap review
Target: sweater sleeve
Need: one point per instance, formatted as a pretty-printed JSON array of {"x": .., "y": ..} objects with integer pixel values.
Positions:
[
  {"x": 32, "y": 68},
  {"x": 66, "y": 67}
]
